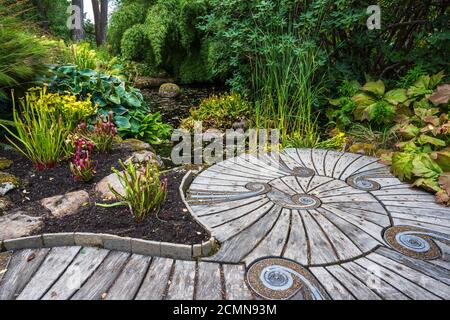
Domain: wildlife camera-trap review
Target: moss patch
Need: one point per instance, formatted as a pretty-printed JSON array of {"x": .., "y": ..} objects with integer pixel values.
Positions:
[{"x": 5, "y": 163}]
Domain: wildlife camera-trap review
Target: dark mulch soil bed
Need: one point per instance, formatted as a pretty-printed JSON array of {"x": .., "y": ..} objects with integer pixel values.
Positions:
[
  {"x": 175, "y": 223},
  {"x": 36, "y": 185}
]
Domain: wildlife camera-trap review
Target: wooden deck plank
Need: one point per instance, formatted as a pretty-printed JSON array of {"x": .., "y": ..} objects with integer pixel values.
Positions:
[
  {"x": 81, "y": 268},
  {"x": 209, "y": 283},
  {"x": 233, "y": 250},
  {"x": 331, "y": 284},
  {"x": 235, "y": 285},
  {"x": 376, "y": 283},
  {"x": 21, "y": 268},
  {"x": 410, "y": 289},
  {"x": 156, "y": 280},
  {"x": 297, "y": 246},
  {"x": 436, "y": 287},
  {"x": 55, "y": 263},
  {"x": 353, "y": 284},
  {"x": 129, "y": 281},
  {"x": 273, "y": 243},
  {"x": 103, "y": 278},
  {"x": 322, "y": 251},
  {"x": 183, "y": 281}
]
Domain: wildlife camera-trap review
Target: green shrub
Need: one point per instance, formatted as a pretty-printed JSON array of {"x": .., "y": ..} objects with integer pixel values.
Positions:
[
  {"x": 166, "y": 39},
  {"x": 135, "y": 43},
  {"x": 144, "y": 193},
  {"x": 221, "y": 112},
  {"x": 127, "y": 15}
]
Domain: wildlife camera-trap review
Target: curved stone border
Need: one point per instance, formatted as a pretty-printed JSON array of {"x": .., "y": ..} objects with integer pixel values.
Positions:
[
  {"x": 184, "y": 186},
  {"x": 111, "y": 242}
]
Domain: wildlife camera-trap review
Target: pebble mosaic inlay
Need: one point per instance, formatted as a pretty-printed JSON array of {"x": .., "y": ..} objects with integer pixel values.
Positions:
[{"x": 281, "y": 279}]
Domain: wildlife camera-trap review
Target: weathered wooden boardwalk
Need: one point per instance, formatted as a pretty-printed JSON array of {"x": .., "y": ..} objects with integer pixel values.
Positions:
[{"x": 304, "y": 224}]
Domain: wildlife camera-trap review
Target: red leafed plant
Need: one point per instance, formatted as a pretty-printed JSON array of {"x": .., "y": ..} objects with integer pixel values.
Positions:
[
  {"x": 82, "y": 165},
  {"x": 102, "y": 134}
]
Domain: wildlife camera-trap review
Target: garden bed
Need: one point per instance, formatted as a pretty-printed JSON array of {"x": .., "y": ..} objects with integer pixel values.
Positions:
[{"x": 173, "y": 223}]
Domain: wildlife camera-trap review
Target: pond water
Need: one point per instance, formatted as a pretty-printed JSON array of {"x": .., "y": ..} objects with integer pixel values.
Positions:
[{"x": 173, "y": 110}]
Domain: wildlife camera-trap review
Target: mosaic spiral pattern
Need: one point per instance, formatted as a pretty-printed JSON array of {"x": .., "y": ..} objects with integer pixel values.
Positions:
[
  {"x": 416, "y": 242},
  {"x": 315, "y": 207},
  {"x": 281, "y": 279}
]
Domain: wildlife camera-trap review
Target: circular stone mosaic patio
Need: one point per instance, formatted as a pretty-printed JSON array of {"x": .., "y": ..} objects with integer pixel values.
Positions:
[{"x": 315, "y": 208}]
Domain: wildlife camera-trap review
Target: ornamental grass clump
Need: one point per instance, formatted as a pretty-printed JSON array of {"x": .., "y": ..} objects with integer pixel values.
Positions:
[
  {"x": 40, "y": 129},
  {"x": 82, "y": 165},
  {"x": 144, "y": 192}
]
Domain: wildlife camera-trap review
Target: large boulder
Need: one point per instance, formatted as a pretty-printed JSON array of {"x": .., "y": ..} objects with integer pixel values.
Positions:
[
  {"x": 67, "y": 204},
  {"x": 169, "y": 90},
  {"x": 17, "y": 225}
]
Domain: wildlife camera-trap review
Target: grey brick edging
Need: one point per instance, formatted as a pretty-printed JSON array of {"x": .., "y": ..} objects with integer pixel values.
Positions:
[
  {"x": 111, "y": 242},
  {"x": 185, "y": 183}
]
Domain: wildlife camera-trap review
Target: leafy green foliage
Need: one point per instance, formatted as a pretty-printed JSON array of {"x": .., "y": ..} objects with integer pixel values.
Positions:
[
  {"x": 165, "y": 37},
  {"x": 423, "y": 154},
  {"x": 42, "y": 128},
  {"x": 22, "y": 57},
  {"x": 220, "y": 112},
  {"x": 144, "y": 192},
  {"x": 110, "y": 93},
  {"x": 134, "y": 43}
]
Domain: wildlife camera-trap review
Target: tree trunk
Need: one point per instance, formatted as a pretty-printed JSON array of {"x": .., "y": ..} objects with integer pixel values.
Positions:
[
  {"x": 101, "y": 20},
  {"x": 78, "y": 33}
]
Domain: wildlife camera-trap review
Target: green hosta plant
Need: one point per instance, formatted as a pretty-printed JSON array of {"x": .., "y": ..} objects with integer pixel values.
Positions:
[
  {"x": 377, "y": 105},
  {"x": 144, "y": 193},
  {"x": 131, "y": 114}
]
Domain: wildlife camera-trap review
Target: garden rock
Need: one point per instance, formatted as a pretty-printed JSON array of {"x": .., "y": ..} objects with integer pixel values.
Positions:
[
  {"x": 133, "y": 145},
  {"x": 149, "y": 82},
  {"x": 169, "y": 90},
  {"x": 145, "y": 156},
  {"x": 5, "y": 204},
  {"x": 5, "y": 163},
  {"x": 18, "y": 225},
  {"x": 67, "y": 204},
  {"x": 102, "y": 188},
  {"x": 8, "y": 182}
]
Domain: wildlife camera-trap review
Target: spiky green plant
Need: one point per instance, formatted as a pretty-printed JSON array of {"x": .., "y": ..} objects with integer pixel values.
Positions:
[{"x": 144, "y": 193}]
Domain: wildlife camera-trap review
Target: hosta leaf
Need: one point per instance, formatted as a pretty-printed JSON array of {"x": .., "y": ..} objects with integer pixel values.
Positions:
[
  {"x": 114, "y": 98},
  {"x": 402, "y": 165},
  {"x": 424, "y": 139},
  {"x": 122, "y": 122},
  {"x": 425, "y": 167},
  {"x": 442, "y": 158},
  {"x": 427, "y": 184},
  {"x": 436, "y": 79},
  {"x": 375, "y": 87},
  {"x": 409, "y": 131},
  {"x": 423, "y": 82},
  {"x": 396, "y": 96},
  {"x": 441, "y": 95}
]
